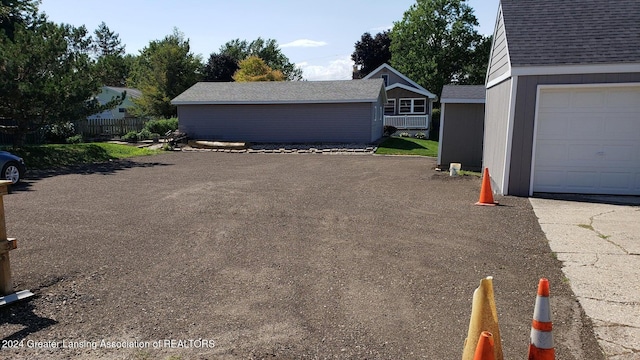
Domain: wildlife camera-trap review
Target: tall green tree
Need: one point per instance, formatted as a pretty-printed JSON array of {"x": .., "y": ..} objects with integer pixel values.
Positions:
[
  {"x": 267, "y": 50},
  {"x": 46, "y": 75},
  {"x": 162, "y": 71},
  {"x": 16, "y": 12},
  {"x": 220, "y": 67},
  {"x": 371, "y": 52},
  {"x": 255, "y": 69},
  {"x": 112, "y": 65},
  {"x": 435, "y": 41}
]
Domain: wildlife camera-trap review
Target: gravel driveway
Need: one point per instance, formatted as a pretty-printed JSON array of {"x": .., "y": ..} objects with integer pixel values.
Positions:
[{"x": 251, "y": 256}]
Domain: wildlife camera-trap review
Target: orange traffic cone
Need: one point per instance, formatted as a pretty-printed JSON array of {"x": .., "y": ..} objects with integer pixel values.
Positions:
[
  {"x": 486, "y": 194},
  {"x": 484, "y": 317},
  {"x": 484, "y": 351},
  {"x": 541, "y": 345}
]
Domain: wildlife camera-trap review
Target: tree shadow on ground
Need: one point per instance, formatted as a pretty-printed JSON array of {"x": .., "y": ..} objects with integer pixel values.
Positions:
[
  {"x": 105, "y": 168},
  {"x": 402, "y": 144}
]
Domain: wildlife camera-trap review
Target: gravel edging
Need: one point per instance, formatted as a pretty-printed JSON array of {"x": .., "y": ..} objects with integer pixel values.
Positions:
[{"x": 295, "y": 149}]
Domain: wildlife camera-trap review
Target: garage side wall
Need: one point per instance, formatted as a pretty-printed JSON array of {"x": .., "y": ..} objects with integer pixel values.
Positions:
[
  {"x": 496, "y": 126},
  {"x": 280, "y": 123},
  {"x": 524, "y": 120},
  {"x": 462, "y": 134}
]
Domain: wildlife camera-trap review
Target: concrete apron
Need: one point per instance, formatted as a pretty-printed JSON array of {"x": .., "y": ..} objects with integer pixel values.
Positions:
[{"x": 599, "y": 245}]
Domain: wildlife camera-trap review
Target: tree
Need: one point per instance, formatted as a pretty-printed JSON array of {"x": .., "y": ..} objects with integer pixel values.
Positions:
[
  {"x": 162, "y": 71},
  {"x": 267, "y": 50},
  {"x": 435, "y": 42},
  {"x": 220, "y": 67},
  {"x": 112, "y": 65},
  {"x": 370, "y": 53},
  {"x": 16, "y": 12},
  {"x": 254, "y": 68},
  {"x": 47, "y": 76}
]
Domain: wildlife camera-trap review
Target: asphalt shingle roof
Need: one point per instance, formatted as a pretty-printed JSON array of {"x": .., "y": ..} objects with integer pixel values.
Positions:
[
  {"x": 572, "y": 32},
  {"x": 468, "y": 92},
  {"x": 281, "y": 92}
]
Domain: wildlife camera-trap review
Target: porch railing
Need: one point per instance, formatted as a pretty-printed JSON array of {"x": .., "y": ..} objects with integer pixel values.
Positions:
[{"x": 407, "y": 121}]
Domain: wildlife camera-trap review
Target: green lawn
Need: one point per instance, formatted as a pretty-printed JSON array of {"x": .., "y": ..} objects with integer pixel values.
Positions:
[
  {"x": 55, "y": 156},
  {"x": 408, "y": 146}
]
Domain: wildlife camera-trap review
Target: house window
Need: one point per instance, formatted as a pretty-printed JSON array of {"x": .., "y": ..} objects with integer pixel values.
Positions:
[
  {"x": 122, "y": 110},
  {"x": 413, "y": 106},
  {"x": 385, "y": 77},
  {"x": 390, "y": 107}
]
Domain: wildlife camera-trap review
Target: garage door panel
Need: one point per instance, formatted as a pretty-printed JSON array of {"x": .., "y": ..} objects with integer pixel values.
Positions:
[
  {"x": 587, "y": 99},
  {"x": 588, "y": 141},
  {"x": 622, "y": 127},
  {"x": 585, "y": 127}
]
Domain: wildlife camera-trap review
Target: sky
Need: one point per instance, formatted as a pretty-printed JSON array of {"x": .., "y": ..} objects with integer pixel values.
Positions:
[{"x": 318, "y": 36}]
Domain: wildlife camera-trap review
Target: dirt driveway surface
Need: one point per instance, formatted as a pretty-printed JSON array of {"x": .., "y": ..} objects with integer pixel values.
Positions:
[{"x": 259, "y": 256}]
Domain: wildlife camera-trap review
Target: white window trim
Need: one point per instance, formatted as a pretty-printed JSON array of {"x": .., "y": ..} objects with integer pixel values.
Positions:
[
  {"x": 389, "y": 101},
  {"x": 412, "y": 106}
]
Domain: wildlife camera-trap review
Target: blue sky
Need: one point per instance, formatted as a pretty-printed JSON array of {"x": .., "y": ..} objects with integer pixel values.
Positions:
[{"x": 319, "y": 36}]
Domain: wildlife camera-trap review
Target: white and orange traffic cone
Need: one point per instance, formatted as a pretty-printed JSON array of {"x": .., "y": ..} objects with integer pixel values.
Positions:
[
  {"x": 486, "y": 193},
  {"x": 541, "y": 345},
  {"x": 484, "y": 350},
  {"x": 484, "y": 317}
]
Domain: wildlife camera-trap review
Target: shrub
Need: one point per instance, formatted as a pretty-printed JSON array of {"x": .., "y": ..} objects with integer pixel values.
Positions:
[
  {"x": 405, "y": 134},
  {"x": 58, "y": 133},
  {"x": 420, "y": 135},
  {"x": 75, "y": 139},
  {"x": 389, "y": 130},
  {"x": 131, "y": 136},
  {"x": 145, "y": 134},
  {"x": 161, "y": 126}
]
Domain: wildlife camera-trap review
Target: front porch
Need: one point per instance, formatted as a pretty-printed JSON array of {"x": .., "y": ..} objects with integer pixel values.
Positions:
[{"x": 415, "y": 122}]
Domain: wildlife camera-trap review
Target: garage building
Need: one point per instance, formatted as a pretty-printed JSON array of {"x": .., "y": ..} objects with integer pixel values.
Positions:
[
  {"x": 284, "y": 112},
  {"x": 563, "y": 98}
]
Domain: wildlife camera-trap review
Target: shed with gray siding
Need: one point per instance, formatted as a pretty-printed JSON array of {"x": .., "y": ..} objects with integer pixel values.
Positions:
[
  {"x": 284, "y": 112},
  {"x": 563, "y": 98},
  {"x": 461, "y": 126}
]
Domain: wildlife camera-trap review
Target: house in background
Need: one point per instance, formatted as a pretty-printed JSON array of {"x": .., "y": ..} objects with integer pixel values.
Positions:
[
  {"x": 409, "y": 105},
  {"x": 284, "y": 112},
  {"x": 461, "y": 126},
  {"x": 563, "y": 98},
  {"x": 120, "y": 112}
]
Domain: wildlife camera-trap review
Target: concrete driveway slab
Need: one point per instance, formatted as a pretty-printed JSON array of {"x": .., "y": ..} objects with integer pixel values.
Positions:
[{"x": 597, "y": 239}]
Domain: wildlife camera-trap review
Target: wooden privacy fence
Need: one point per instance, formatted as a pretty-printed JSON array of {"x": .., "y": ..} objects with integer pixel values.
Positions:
[{"x": 108, "y": 127}]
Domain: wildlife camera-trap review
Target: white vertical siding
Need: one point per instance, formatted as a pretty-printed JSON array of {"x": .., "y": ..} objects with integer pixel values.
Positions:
[{"x": 496, "y": 135}]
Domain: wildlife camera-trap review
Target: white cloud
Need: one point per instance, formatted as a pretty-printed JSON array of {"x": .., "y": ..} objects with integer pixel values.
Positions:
[
  {"x": 380, "y": 29},
  {"x": 338, "y": 69},
  {"x": 304, "y": 43}
]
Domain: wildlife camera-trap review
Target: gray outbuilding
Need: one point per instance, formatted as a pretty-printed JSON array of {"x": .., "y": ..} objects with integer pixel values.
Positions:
[
  {"x": 563, "y": 98},
  {"x": 461, "y": 126},
  {"x": 284, "y": 112}
]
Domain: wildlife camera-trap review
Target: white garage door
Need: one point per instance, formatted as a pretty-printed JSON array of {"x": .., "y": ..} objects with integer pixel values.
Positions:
[{"x": 588, "y": 141}]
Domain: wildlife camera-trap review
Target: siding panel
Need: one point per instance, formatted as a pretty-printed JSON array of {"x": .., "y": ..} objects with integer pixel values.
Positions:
[
  {"x": 495, "y": 132},
  {"x": 462, "y": 135},
  {"x": 349, "y": 122},
  {"x": 499, "y": 62}
]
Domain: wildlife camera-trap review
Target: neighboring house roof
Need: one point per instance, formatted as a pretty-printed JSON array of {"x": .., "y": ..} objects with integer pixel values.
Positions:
[
  {"x": 572, "y": 32},
  {"x": 131, "y": 92},
  {"x": 282, "y": 92},
  {"x": 463, "y": 94},
  {"x": 420, "y": 89}
]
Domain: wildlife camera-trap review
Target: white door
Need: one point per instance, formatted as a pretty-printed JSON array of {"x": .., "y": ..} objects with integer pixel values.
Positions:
[{"x": 588, "y": 141}]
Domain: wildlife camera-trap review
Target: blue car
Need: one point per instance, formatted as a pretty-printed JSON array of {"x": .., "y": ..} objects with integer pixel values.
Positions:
[{"x": 13, "y": 167}]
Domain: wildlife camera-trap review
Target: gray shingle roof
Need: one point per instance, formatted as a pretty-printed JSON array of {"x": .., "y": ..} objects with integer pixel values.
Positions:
[
  {"x": 281, "y": 92},
  {"x": 463, "y": 92},
  {"x": 572, "y": 32}
]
